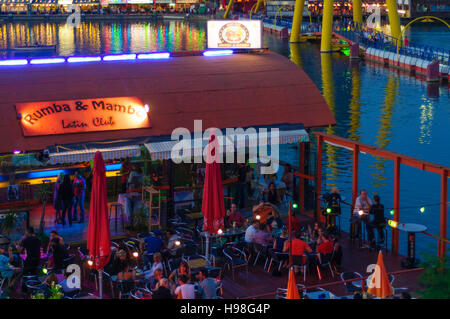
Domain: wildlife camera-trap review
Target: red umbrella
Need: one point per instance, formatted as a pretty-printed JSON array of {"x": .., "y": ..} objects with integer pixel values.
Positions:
[
  {"x": 213, "y": 207},
  {"x": 99, "y": 240}
]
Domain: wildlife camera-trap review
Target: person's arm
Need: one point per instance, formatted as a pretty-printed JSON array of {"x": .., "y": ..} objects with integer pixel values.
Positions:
[
  {"x": 285, "y": 246},
  {"x": 308, "y": 249},
  {"x": 10, "y": 253},
  {"x": 141, "y": 245}
]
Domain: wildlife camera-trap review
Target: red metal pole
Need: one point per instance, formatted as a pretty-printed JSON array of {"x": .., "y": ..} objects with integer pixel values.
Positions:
[
  {"x": 290, "y": 235},
  {"x": 355, "y": 176},
  {"x": 301, "y": 187},
  {"x": 442, "y": 244},
  {"x": 318, "y": 176},
  {"x": 394, "y": 244}
]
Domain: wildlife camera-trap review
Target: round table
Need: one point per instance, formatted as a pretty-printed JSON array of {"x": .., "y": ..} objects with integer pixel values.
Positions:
[{"x": 411, "y": 261}]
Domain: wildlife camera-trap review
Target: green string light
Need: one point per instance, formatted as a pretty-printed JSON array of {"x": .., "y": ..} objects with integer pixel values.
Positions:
[
  {"x": 294, "y": 205},
  {"x": 392, "y": 212},
  {"x": 422, "y": 209}
]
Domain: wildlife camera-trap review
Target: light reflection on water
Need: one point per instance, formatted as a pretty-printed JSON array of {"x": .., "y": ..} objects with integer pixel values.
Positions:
[{"x": 370, "y": 103}]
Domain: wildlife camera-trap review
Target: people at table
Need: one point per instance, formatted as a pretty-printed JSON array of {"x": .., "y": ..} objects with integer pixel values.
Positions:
[
  {"x": 262, "y": 210},
  {"x": 7, "y": 271},
  {"x": 251, "y": 231},
  {"x": 362, "y": 204},
  {"x": 57, "y": 203},
  {"x": 58, "y": 254},
  {"x": 233, "y": 217},
  {"x": 119, "y": 261},
  {"x": 274, "y": 220},
  {"x": 184, "y": 290},
  {"x": 378, "y": 221},
  {"x": 325, "y": 245},
  {"x": 65, "y": 194},
  {"x": 262, "y": 236},
  {"x": 54, "y": 234},
  {"x": 299, "y": 247},
  {"x": 64, "y": 286},
  {"x": 155, "y": 279},
  {"x": 31, "y": 245},
  {"x": 154, "y": 244},
  {"x": 79, "y": 187},
  {"x": 183, "y": 269},
  {"x": 207, "y": 285},
  {"x": 127, "y": 273}
]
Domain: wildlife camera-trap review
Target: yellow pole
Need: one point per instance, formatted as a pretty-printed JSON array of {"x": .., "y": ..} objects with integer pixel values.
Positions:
[
  {"x": 257, "y": 6},
  {"x": 297, "y": 21},
  {"x": 295, "y": 54},
  {"x": 394, "y": 20},
  {"x": 327, "y": 26},
  {"x": 230, "y": 4},
  {"x": 357, "y": 12}
]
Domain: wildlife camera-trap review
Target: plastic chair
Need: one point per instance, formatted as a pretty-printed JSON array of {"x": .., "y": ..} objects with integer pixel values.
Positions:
[
  {"x": 126, "y": 287},
  {"x": 234, "y": 258},
  {"x": 352, "y": 286},
  {"x": 300, "y": 262},
  {"x": 277, "y": 257}
]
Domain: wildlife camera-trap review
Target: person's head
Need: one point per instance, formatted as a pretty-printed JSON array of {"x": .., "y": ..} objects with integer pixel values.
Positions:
[
  {"x": 170, "y": 233},
  {"x": 51, "y": 278},
  {"x": 326, "y": 237},
  {"x": 77, "y": 173},
  {"x": 183, "y": 279},
  {"x": 202, "y": 274},
  {"x": 363, "y": 194},
  {"x": 233, "y": 208},
  {"x": 30, "y": 231},
  {"x": 164, "y": 282},
  {"x": 184, "y": 267},
  {"x": 158, "y": 233},
  {"x": 53, "y": 234},
  {"x": 157, "y": 257},
  {"x": 376, "y": 199},
  {"x": 55, "y": 241},
  {"x": 158, "y": 274},
  {"x": 296, "y": 234},
  {"x": 334, "y": 190},
  {"x": 284, "y": 231},
  {"x": 60, "y": 177},
  {"x": 122, "y": 255},
  {"x": 66, "y": 179},
  {"x": 316, "y": 226},
  {"x": 272, "y": 187},
  {"x": 255, "y": 223},
  {"x": 3, "y": 249},
  {"x": 288, "y": 168}
]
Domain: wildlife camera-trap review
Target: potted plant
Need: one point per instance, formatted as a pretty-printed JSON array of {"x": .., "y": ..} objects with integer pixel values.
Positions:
[
  {"x": 55, "y": 292},
  {"x": 138, "y": 222},
  {"x": 10, "y": 221}
]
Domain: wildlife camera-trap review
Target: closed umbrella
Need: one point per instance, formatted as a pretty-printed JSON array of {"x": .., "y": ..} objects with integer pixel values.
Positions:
[
  {"x": 292, "y": 290},
  {"x": 379, "y": 285},
  {"x": 99, "y": 240},
  {"x": 213, "y": 207}
]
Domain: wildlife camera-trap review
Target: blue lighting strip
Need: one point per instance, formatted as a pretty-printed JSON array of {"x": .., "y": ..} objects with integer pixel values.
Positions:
[
  {"x": 47, "y": 61},
  {"x": 84, "y": 59},
  {"x": 14, "y": 62},
  {"x": 153, "y": 56},
  {"x": 119, "y": 57},
  {"x": 217, "y": 52}
]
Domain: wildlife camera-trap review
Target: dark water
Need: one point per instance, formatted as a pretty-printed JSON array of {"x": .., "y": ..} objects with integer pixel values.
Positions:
[{"x": 371, "y": 104}]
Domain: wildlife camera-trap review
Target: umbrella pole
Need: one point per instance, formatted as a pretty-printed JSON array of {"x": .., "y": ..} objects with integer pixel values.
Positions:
[
  {"x": 207, "y": 247},
  {"x": 100, "y": 283}
]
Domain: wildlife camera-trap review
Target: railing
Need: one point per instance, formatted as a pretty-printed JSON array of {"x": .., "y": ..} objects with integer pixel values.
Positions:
[{"x": 334, "y": 283}]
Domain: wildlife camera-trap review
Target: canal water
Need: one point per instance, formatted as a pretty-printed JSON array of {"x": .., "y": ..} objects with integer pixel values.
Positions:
[{"x": 371, "y": 104}]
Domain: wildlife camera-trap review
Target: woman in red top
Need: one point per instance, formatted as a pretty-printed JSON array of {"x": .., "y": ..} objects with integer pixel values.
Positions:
[
  {"x": 293, "y": 221},
  {"x": 326, "y": 245}
]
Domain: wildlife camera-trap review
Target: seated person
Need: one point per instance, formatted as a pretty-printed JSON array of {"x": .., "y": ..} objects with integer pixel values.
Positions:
[
  {"x": 154, "y": 280},
  {"x": 279, "y": 241},
  {"x": 163, "y": 291},
  {"x": 299, "y": 247},
  {"x": 120, "y": 259},
  {"x": 49, "y": 281},
  {"x": 315, "y": 232},
  {"x": 6, "y": 270},
  {"x": 157, "y": 264},
  {"x": 262, "y": 236},
  {"x": 325, "y": 246},
  {"x": 154, "y": 244},
  {"x": 233, "y": 217},
  {"x": 172, "y": 247},
  {"x": 184, "y": 290},
  {"x": 207, "y": 285},
  {"x": 67, "y": 288},
  {"x": 272, "y": 195},
  {"x": 183, "y": 269},
  {"x": 251, "y": 231},
  {"x": 293, "y": 222}
]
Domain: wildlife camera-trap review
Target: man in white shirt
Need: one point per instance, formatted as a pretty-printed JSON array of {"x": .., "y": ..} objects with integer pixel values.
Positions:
[
  {"x": 184, "y": 290},
  {"x": 251, "y": 231},
  {"x": 361, "y": 210}
]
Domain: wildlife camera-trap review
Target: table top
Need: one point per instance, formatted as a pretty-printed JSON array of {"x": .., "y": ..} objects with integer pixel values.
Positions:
[
  {"x": 231, "y": 232},
  {"x": 194, "y": 215},
  {"x": 412, "y": 228}
]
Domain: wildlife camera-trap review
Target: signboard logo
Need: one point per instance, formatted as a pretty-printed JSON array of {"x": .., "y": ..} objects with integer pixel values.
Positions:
[{"x": 234, "y": 34}]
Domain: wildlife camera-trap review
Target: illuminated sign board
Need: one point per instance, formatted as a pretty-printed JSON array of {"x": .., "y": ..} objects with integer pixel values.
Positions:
[
  {"x": 77, "y": 116},
  {"x": 65, "y": 2},
  {"x": 140, "y": 1},
  {"x": 228, "y": 34}
]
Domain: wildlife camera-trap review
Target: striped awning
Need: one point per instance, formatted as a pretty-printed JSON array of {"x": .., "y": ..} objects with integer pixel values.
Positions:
[
  {"x": 85, "y": 155},
  {"x": 162, "y": 150}
]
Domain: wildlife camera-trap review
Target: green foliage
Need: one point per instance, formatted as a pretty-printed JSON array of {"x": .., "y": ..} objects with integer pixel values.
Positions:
[
  {"x": 55, "y": 292},
  {"x": 44, "y": 192},
  {"x": 10, "y": 221},
  {"x": 139, "y": 223},
  {"x": 435, "y": 280}
]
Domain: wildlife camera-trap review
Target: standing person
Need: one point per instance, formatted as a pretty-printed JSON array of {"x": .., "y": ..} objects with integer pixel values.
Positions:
[
  {"x": 173, "y": 244},
  {"x": 272, "y": 195},
  {"x": 378, "y": 221},
  {"x": 57, "y": 204},
  {"x": 334, "y": 206},
  {"x": 207, "y": 284},
  {"x": 32, "y": 246},
  {"x": 66, "y": 195},
  {"x": 294, "y": 222},
  {"x": 288, "y": 179},
  {"x": 406, "y": 41},
  {"x": 361, "y": 211},
  {"x": 59, "y": 254},
  {"x": 154, "y": 244},
  {"x": 79, "y": 185},
  {"x": 125, "y": 171}
]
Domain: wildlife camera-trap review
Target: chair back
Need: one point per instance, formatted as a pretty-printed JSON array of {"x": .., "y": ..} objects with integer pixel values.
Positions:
[
  {"x": 298, "y": 260},
  {"x": 126, "y": 286}
]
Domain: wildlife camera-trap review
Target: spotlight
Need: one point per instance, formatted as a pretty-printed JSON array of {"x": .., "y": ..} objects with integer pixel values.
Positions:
[
  {"x": 328, "y": 210},
  {"x": 295, "y": 205},
  {"x": 135, "y": 254},
  {"x": 220, "y": 231},
  {"x": 90, "y": 263},
  {"x": 177, "y": 243},
  {"x": 258, "y": 217},
  {"x": 361, "y": 212},
  {"x": 422, "y": 209}
]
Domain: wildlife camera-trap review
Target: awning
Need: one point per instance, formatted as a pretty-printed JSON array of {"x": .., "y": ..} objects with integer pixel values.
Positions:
[
  {"x": 64, "y": 154},
  {"x": 287, "y": 134}
]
